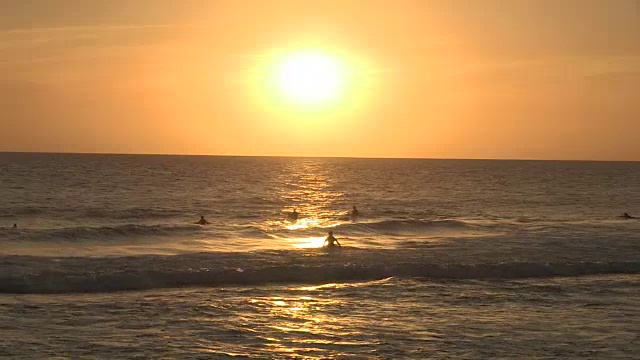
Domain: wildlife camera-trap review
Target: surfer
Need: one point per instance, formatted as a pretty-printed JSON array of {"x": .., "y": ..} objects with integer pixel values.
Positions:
[
  {"x": 15, "y": 226},
  {"x": 293, "y": 215},
  {"x": 355, "y": 212},
  {"x": 627, "y": 216},
  {"x": 202, "y": 221},
  {"x": 331, "y": 241}
]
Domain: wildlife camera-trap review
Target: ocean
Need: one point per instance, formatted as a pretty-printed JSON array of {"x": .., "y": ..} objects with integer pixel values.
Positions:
[{"x": 461, "y": 259}]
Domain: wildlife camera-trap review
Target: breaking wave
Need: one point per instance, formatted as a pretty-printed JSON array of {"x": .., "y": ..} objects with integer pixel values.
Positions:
[{"x": 84, "y": 275}]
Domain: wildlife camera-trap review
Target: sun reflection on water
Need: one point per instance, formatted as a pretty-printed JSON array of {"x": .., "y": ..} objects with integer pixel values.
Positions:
[
  {"x": 307, "y": 187},
  {"x": 303, "y": 224},
  {"x": 308, "y": 243},
  {"x": 306, "y": 324},
  {"x": 297, "y": 314}
]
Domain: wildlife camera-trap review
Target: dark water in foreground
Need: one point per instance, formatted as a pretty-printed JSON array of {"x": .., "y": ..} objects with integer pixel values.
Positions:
[{"x": 449, "y": 258}]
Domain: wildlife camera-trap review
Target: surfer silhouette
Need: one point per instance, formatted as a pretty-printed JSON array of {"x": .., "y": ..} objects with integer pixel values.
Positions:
[
  {"x": 627, "y": 216},
  {"x": 355, "y": 212},
  {"x": 202, "y": 221},
  {"x": 293, "y": 215},
  {"x": 331, "y": 241},
  {"x": 15, "y": 226}
]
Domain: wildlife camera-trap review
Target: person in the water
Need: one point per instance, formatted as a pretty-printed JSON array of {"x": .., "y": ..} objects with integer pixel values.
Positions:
[
  {"x": 627, "y": 216},
  {"x": 15, "y": 226},
  {"x": 355, "y": 212},
  {"x": 202, "y": 221},
  {"x": 331, "y": 241},
  {"x": 294, "y": 215}
]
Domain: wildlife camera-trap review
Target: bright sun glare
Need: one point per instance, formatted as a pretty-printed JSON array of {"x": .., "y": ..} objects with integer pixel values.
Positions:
[{"x": 310, "y": 78}]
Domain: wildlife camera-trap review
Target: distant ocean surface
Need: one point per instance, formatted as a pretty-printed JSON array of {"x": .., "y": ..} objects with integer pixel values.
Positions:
[{"x": 447, "y": 259}]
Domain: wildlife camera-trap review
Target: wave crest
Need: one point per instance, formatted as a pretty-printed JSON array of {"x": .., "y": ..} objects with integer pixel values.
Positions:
[
  {"x": 102, "y": 233},
  {"x": 403, "y": 226},
  {"x": 129, "y": 277}
]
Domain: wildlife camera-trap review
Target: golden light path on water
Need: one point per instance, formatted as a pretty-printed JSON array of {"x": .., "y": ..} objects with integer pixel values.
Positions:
[
  {"x": 299, "y": 316},
  {"x": 303, "y": 224},
  {"x": 308, "y": 188},
  {"x": 309, "y": 243},
  {"x": 309, "y": 319}
]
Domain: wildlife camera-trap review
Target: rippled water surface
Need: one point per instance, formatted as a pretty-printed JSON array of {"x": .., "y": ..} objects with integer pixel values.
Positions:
[
  {"x": 447, "y": 259},
  {"x": 592, "y": 317}
]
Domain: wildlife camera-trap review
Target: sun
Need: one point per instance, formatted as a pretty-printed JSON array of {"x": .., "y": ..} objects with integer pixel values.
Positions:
[{"x": 310, "y": 78}]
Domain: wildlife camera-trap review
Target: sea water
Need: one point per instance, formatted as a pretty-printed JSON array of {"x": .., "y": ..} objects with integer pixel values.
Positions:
[{"x": 447, "y": 258}]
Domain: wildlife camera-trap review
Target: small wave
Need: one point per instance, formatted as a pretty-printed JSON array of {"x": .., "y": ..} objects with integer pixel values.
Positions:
[
  {"x": 132, "y": 213},
  {"x": 403, "y": 226},
  {"x": 22, "y": 211},
  {"x": 170, "y": 272},
  {"x": 102, "y": 233}
]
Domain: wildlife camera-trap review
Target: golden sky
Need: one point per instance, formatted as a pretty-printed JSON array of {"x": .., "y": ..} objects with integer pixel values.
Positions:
[{"x": 525, "y": 79}]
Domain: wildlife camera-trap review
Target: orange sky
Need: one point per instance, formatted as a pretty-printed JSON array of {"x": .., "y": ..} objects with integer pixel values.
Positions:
[{"x": 538, "y": 79}]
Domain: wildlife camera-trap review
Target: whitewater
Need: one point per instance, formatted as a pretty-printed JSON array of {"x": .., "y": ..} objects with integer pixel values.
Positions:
[{"x": 448, "y": 258}]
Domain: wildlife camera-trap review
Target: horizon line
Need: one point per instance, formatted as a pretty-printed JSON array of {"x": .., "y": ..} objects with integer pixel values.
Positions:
[{"x": 307, "y": 156}]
